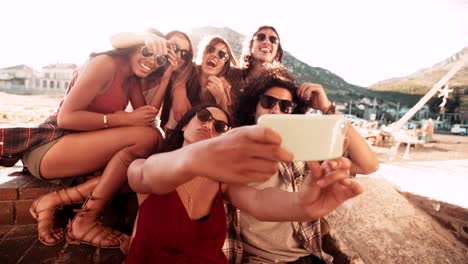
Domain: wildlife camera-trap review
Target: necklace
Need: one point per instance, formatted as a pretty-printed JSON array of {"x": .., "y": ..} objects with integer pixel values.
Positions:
[{"x": 189, "y": 194}]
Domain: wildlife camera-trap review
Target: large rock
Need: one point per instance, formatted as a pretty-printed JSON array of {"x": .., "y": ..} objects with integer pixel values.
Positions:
[{"x": 382, "y": 226}]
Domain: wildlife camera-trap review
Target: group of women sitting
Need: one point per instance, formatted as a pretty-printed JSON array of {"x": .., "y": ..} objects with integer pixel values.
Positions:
[{"x": 205, "y": 160}]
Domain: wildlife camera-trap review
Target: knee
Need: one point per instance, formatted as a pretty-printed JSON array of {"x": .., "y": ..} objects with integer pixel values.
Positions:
[{"x": 147, "y": 141}]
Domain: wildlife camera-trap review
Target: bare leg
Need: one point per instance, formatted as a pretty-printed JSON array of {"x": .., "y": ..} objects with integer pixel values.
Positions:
[{"x": 80, "y": 153}]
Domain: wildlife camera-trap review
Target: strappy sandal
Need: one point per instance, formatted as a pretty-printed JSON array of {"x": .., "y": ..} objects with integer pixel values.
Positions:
[
  {"x": 96, "y": 230},
  {"x": 48, "y": 219}
]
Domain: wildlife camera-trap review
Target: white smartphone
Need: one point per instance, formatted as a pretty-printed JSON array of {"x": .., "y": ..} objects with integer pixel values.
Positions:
[{"x": 309, "y": 137}]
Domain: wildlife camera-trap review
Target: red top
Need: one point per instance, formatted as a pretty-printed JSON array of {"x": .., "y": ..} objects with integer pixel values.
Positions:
[
  {"x": 17, "y": 140},
  {"x": 166, "y": 234},
  {"x": 115, "y": 98}
]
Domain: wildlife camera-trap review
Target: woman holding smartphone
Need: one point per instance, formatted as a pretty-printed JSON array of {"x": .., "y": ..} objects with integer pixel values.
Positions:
[{"x": 183, "y": 219}]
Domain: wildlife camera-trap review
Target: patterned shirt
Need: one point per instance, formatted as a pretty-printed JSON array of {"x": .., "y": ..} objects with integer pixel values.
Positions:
[
  {"x": 15, "y": 141},
  {"x": 307, "y": 233}
]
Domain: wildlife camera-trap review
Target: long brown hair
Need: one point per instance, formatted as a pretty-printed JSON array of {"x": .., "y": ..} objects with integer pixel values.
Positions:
[
  {"x": 247, "y": 60},
  {"x": 186, "y": 70},
  {"x": 206, "y": 42}
]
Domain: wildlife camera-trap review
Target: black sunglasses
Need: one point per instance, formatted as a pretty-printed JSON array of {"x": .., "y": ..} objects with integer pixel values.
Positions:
[
  {"x": 204, "y": 115},
  {"x": 222, "y": 55},
  {"x": 271, "y": 38},
  {"x": 268, "y": 102},
  {"x": 184, "y": 54},
  {"x": 159, "y": 60}
]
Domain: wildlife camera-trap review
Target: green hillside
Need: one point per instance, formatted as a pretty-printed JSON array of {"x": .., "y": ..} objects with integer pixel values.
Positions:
[
  {"x": 423, "y": 80},
  {"x": 337, "y": 88}
]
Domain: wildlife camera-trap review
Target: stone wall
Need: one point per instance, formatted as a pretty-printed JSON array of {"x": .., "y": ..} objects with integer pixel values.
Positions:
[
  {"x": 382, "y": 226},
  {"x": 453, "y": 217}
]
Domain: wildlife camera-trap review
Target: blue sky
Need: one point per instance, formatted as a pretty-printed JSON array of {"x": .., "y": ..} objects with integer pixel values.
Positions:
[{"x": 363, "y": 41}]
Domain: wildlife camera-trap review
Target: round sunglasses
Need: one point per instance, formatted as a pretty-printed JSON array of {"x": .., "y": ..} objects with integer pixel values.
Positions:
[
  {"x": 222, "y": 55},
  {"x": 268, "y": 102},
  {"x": 204, "y": 115},
  {"x": 263, "y": 36},
  {"x": 160, "y": 60}
]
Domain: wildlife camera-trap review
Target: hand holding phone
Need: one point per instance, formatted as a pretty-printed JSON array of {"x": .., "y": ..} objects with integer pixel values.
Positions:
[{"x": 309, "y": 137}]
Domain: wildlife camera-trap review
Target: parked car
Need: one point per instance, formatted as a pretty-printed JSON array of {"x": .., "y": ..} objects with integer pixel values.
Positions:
[{"x": 459, "y": 129}]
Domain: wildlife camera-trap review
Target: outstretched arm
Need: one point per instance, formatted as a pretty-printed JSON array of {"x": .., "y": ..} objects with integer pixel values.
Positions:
[
  {"x": 364, "y": 160},
  {"x": 242, "y": 155},
  {"x": 326, "y": 188},
  {"x": 154, "y": 43}
]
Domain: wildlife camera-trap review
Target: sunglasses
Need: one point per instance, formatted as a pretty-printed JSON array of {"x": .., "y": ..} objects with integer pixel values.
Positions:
[
  {"x": 268, "y": 102},
  {"x": 184, "y": 54},
  {"x": 219, "y": 126},
  {"x": 271, "y": 38},
  {"x": 159, "y": 60},
  {"x": 222, "y": 55}
]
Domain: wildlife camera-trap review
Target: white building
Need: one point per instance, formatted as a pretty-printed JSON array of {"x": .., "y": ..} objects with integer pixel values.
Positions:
[
  {"x": 55, "y": 76},
  {"x": 24, "y": 79},
  {"x": 17, "y": 77}
]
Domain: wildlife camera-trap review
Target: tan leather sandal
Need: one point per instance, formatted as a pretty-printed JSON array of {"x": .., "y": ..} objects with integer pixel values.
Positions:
[
  {"x": 45, "y": 217},
  {"x": 96, "y": 230}
]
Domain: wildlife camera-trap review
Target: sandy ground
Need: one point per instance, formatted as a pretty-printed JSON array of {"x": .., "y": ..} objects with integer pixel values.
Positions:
[
  {"x": 26, "y": 110},
  {"x": 444, "y": 147},
  {"x": 30, "y": 110}
]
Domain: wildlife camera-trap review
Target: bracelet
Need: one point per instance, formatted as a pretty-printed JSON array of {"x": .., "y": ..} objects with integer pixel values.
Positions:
[
  {"x": 105, "y": 121},
  {"x": 331, "y": 110}
]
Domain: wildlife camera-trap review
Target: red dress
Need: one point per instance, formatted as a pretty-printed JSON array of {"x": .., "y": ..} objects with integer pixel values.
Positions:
[
  {"x": 166, "y": 234},
  {"x": 115, "y": 98}
]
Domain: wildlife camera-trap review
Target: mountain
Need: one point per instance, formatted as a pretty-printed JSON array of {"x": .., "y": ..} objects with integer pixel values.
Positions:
[
  {"x": 423, "y": 80},
  {"x": 337, "y": 88}
]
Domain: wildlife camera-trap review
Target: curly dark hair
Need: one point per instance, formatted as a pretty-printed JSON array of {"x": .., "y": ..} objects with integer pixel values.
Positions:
[
  {"x": 272, "y": 75},
  {"x": 175, "y": 138}
]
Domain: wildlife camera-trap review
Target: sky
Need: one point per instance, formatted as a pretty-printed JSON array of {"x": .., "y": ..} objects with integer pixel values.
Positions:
[{"x": 363, "y": 41}]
